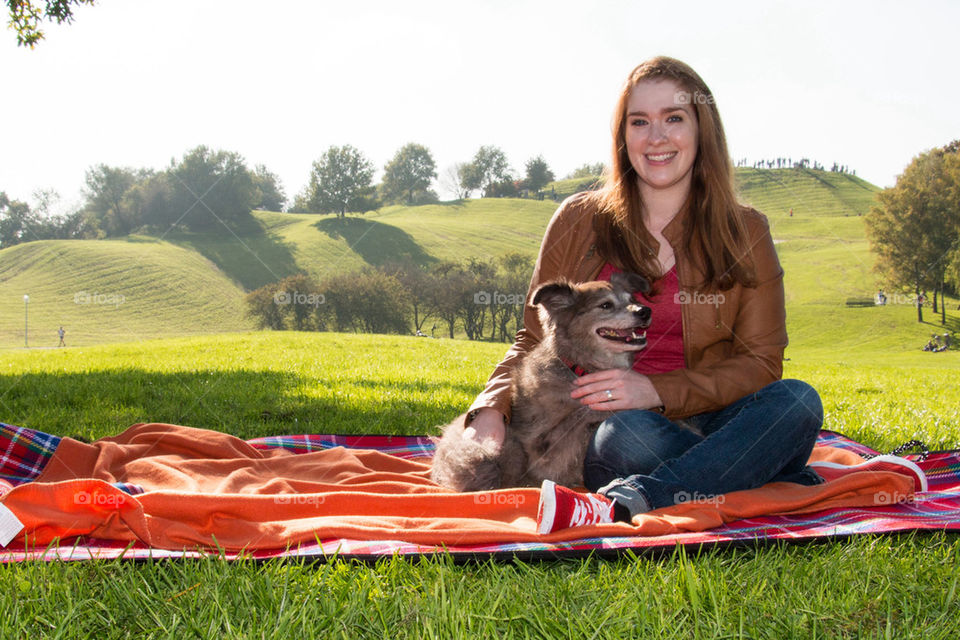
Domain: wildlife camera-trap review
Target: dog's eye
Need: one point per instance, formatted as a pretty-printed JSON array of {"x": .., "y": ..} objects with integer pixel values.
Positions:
[{"x": 606, "y": 306}]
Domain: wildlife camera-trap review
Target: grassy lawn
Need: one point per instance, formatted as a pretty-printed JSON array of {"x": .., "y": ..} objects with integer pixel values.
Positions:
[
  {"x": 207, "y": 370},
  {"x": 269, "y": 383}
]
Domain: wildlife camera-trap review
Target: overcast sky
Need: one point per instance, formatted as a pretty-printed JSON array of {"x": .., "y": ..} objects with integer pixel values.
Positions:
[{"x": 138, "y": 82}]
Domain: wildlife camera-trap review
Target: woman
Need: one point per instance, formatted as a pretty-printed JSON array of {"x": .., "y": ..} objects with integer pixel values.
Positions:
[{"x": 715, "y": 351}]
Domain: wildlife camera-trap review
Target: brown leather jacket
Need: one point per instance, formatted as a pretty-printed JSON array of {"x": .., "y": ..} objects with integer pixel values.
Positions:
[{"x": 732, "y": 343}]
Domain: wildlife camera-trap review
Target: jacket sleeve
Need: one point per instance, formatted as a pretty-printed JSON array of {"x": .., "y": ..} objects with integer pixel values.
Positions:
[
  {"x": 554, "y": 261},
  {"x": 757, "y": 339}
]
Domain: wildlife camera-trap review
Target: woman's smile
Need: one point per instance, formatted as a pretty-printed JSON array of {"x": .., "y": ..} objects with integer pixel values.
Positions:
[{"x": 661, "y": 135}]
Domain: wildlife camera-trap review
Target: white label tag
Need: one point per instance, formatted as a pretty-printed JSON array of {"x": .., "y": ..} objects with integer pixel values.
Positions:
[{"x": 10, "y": 525}]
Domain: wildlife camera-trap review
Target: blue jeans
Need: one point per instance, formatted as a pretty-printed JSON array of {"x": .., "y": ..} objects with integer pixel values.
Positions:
[{"x": 650, "y": 462}]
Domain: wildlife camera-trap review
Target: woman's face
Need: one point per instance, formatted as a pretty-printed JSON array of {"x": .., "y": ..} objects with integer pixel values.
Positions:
[{"x": 661, "y": 135}]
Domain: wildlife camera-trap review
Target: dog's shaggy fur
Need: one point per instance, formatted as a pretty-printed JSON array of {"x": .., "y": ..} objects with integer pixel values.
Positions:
[{"x": 593, "y": 326}]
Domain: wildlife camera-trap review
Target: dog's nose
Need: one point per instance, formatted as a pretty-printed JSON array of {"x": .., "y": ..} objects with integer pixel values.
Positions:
[{"x": 642, "y": 312}]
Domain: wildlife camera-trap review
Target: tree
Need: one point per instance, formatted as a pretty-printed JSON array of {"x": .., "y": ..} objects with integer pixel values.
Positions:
[
  {"x": 451, "y": 181},
  {"x": 586, "y": 171},
  {"x": 19, "y": 222},
  {"x": 262, "y": 306},
  {"x": 455, "y": 285},
  {"x": 369, "y": 301},
  {"x": 916, "y": 229},
  {"x": 538, "y": 174},
  {"x": 209, "y": 189},
  {"x": 26, "y": 16},
  {"x": 268, "y": 190},
  {"x": 341, "y": 181},
  {"x": 292, "y": 303},
  {"x": 16, "y": 220},
  {"x": 301, "y": 202},
  {"x": 149, "y": 201},
  {"x": 107, "y": 190},
  {"x": 421, "y": 286},
  {"x": 515, "y": 272},
  {"x": 488, "y": 167},
  {"x": 407, "y": 177}
]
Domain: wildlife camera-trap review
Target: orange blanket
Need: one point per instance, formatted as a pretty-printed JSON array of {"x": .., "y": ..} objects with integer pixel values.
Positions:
[{"x": 210, "y": 489}]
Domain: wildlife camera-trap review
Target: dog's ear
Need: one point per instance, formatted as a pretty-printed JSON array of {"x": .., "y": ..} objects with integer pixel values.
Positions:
[
  {"x": 631, "y": 282},
  {"x": 554, "y": 296}
]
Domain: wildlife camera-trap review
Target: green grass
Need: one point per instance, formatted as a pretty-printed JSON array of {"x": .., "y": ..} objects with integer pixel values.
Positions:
[
  {"x": 876, "y": 385},
  {"x": 113, "y": 290},
  {"x": 193, "y": 283},
  {"x": 900, "y": 587},
  {"x": 560, "y": 189},
  {"x": 263, "y": 383},
  {"x": 807, "y": 192}
]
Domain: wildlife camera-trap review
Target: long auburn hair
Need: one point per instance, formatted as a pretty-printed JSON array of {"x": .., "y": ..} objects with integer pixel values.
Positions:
[{"x": 714, "y": 222}]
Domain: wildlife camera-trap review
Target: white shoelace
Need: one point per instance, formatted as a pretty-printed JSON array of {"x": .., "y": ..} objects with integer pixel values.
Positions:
[{"x": 588, "y": 511}]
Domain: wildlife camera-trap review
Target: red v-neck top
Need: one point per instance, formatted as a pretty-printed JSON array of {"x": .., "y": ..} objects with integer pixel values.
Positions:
[{"x": 664, "y": 350}]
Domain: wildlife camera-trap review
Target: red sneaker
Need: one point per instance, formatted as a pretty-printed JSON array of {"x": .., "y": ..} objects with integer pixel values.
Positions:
[
  {"x": 562, "y": 508},
  {"x": 831, "y": 470}
]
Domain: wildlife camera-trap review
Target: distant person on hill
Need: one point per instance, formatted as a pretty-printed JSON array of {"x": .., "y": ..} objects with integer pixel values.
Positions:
[
  {"x": 668, "y": 211},
  {"x": 61, "y": 333}
]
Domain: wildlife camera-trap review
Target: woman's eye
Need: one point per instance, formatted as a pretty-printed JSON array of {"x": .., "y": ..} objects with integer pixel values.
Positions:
[
  {"x": 675, "y": 118},
  {"x": 637, "y": 122},
  {"x": 606, "y": 306}
]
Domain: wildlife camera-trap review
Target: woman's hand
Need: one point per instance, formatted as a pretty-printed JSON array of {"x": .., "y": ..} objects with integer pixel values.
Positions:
[
  {"x": 627, "y": 390},
  {"x": 486, "y": 425}
]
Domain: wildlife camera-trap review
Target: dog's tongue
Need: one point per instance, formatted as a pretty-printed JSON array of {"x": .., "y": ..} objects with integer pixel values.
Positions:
[{"x": 626, "y": 335}]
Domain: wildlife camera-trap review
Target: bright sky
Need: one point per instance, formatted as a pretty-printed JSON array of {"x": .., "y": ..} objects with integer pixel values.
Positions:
[{"x": 138, "y": 82}]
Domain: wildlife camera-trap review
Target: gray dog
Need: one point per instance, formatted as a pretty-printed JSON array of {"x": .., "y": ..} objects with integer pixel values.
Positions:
[{"x": 587, "y": 327}]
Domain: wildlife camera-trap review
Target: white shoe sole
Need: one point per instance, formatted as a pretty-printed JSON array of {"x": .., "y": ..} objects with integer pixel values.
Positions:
[
  {"x": 866, "y": 464},
  {"x": 547, "y": 508}
]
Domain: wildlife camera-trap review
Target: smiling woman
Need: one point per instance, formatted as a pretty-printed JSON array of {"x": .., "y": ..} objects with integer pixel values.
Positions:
[{"x": 703, "y": 411}]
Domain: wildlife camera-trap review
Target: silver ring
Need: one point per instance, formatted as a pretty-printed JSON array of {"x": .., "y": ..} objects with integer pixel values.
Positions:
[{"x": 609, "y": 394}]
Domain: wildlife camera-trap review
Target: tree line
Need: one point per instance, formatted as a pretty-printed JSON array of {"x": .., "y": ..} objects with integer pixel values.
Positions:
[
  {"x": 206, "y": 189},
  {"x": 915, "y": 229},
  {"x": 481, "y": 297},
  {"x": 201, "y": 191}
]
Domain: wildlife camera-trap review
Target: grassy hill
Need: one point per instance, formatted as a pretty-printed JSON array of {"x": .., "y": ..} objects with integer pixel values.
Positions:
[
  {"x": 807, "y": 192},
  {"x": 113, "y": 290},
  {"x": 190, "y": 283},
  {"x": 774, "y": 191},
  {"x": 276, "y": 245}
]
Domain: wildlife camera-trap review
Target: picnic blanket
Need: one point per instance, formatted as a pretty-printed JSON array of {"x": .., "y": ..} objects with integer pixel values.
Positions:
[{"x": 160, "y": 490}]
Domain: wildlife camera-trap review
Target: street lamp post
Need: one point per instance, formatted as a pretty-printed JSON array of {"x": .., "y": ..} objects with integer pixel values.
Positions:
[{"x": 26, "y": 306}]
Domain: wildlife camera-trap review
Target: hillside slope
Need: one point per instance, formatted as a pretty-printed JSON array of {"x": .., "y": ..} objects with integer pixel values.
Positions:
[
  {"x": 190, "y": 283},
  {"x": 112, "y": 290},
  {"x": 807, "y": 192},
  {"x": 282, "y": 244}
]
